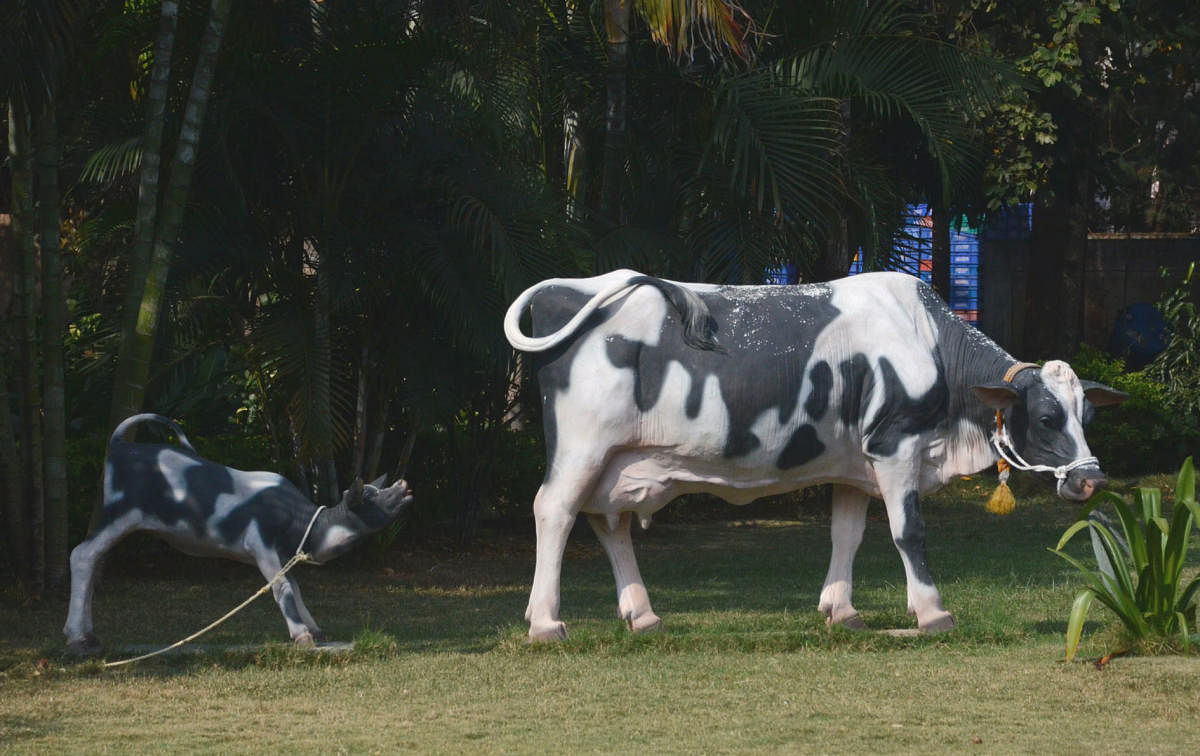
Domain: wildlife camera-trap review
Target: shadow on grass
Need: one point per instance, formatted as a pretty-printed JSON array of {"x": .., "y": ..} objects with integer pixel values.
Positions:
[{"x": 720, "y": 584}]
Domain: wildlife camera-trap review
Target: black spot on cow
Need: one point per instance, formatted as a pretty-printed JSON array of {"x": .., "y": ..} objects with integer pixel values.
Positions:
[
  {"x": 902, "y": 415},
  {"x": 857, "y": 382},
  {"x": 912, "y": 538},
  {"x": 273, "y": 510},
  {"x": 801, "y": 448},
  {"x": 766, "y": 336},
  {"x": 821, "y": 379},
  {"x": 1037, "y": 421}
]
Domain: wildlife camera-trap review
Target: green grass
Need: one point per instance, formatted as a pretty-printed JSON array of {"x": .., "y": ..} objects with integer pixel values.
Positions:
[{"x": 745, "y": 662}]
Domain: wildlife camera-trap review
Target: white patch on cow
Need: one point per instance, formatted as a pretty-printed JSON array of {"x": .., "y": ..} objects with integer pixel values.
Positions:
[
  {"x": 174, "y": 466},
  {"x": 1064, "y": 386},
  {"x": 336, "y": 537}
]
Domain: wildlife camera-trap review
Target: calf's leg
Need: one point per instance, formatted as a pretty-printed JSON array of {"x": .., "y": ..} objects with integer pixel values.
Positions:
[
  {"x": 86, "y": 558},
  {"x": 847, "y": 522},
  {"x": 301, "y": 627},
  {"x": 633, "y": 602}
]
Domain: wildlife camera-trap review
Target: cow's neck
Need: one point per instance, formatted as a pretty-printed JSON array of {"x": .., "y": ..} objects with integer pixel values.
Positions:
[
  {"x": 335, "y": 530},
  {"x": 971, "y": 359}
]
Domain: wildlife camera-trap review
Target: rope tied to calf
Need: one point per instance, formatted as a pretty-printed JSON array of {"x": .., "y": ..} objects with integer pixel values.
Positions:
[{"x": 300, "y": 556}]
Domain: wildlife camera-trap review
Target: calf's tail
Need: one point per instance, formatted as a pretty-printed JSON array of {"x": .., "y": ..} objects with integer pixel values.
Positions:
[
  {"x": 133, "y": 420},
  {"x": 698, "y": 327}
]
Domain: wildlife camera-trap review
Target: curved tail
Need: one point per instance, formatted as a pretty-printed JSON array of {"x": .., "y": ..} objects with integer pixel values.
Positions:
[
  {"x": 133, "y": 420},
  {"x": 698, "y": 327}
]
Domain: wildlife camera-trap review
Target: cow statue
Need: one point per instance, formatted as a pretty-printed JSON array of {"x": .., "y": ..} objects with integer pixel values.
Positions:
[
  {"x": 652, "y": 389},
  {"x": 207, "y": 509}
]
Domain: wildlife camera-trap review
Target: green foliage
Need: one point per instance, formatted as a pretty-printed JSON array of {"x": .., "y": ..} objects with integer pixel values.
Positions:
[
  {"x": 1139, "y": 579},
  {"x": 1142, "y": 435},
  {"x": 1177, "y": 368}
]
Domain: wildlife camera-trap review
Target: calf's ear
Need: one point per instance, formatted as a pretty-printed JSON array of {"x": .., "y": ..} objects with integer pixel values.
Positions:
[
  {"x": 999, "y": 396},
  {"x": 1102, "y": 396},
  {"x": 378, "y": 482}
]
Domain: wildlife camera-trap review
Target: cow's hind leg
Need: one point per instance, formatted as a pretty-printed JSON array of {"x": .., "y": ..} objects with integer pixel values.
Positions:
[
  {"x": 847, "y": 522},
  {"x": 633, "y": 602},
  {"x": 86, "y": 559},
  {"x": 554, "y": 511}
]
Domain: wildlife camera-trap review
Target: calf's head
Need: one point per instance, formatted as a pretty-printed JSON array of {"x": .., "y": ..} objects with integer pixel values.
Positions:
[
  {"x": 1045, "y": 412},
  {"x": 364, "y": 509}
]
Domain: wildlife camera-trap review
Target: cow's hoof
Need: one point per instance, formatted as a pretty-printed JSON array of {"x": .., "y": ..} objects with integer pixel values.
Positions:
[
  {"x": 305, "y": 640},
  {"x": 647, "y": 623},
  {"x": 548, "y": 632},
  {"x": 850, "y": 621},
  {"x": 937, "y": 623},
  {"x": 86, "y": 645}
]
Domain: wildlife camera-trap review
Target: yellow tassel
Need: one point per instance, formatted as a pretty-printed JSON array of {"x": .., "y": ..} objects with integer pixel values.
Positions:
[{"x": 1002, "y": 501}]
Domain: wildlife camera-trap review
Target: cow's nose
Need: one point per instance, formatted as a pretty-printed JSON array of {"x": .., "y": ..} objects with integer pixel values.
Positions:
[{"x": 1086, "y": 482}]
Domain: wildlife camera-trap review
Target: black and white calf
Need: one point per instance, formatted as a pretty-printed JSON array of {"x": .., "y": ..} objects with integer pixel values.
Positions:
[
  {"x": 207, "y": 509},
  {"x": 652, "y": 389}
]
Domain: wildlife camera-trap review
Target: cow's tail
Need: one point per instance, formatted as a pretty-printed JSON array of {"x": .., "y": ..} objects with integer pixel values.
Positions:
[
  {"x": 133, "y": 420},
  {"x": 698, "y": 327}
]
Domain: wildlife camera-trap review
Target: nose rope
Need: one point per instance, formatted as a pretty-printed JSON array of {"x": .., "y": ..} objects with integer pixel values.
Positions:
[{"x": 1001, "y": 439}]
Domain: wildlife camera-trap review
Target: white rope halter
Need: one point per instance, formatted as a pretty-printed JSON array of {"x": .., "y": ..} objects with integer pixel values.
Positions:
[{"x": 1001, "y": 439}]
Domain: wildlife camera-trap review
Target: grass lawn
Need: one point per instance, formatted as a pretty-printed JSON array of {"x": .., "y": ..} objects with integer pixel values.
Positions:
[{"x": 744, "y": 663}]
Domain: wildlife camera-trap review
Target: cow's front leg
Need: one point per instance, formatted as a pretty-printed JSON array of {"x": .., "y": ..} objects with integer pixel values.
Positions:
[
  {"x": 633, "y": 602},
  {"x": 86, "y": 559},
  {"x": 847, "y": 522},
  {"x": 908, "y": 533},
  {"x": 301, "y": 628},
  {"x": 898, "y": 484},
  {"x": 554, "y": 511}
]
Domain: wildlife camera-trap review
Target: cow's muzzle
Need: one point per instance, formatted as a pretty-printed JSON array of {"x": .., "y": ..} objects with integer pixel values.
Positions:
[{"x": 1081, "y": 482}]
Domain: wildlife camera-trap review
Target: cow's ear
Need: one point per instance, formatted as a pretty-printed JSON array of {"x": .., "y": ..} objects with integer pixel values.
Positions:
[
  {"x": 1102, "y": 396},
  {"x": 999, "y": 396}
]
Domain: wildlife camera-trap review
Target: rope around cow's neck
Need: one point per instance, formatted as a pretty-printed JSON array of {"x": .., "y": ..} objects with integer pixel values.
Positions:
[{"x": 300, "y": 556}]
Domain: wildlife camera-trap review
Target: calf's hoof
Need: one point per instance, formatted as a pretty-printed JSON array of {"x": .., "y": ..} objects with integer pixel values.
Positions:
[
  {"x": 547, "y": 632},
  {"x": 646, "y": 623},
  {"x": 85, "y": 645},
  {"x": 305, "y": 640},
  {"x": 937, "y": 623}
]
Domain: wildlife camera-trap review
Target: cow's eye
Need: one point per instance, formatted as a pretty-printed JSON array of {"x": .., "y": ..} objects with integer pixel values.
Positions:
[{"x": 1046, "y": 421}]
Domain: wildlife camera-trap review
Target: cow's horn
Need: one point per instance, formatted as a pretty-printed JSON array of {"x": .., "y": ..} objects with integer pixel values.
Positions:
[{"x": 354, "y": 496}]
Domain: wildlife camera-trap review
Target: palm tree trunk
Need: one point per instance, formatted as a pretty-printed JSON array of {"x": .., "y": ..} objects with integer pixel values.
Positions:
[
  {"x": 127, "y": 401},
  {"x": 140, "y": 347},
  {"x": 20, "y": 145},
  {"x": 54, "y": 422},
  {"x": 616, "y": 23}
]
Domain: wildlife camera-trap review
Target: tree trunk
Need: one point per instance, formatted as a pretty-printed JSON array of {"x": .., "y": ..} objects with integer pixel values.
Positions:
[
  {"x": 616, "y": 23},
  {"x": 11, "y": 480},
  {"x": 140, "y": 346},
  {"x": 54, "y": 421},
  {"x": 940, "y": 251},
  {"x": 20, "y": 145},
  {"x": 127, "y": 400}
]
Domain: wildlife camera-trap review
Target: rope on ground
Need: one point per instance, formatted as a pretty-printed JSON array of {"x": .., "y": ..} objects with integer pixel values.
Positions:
[{"x": 301, "y": 556}]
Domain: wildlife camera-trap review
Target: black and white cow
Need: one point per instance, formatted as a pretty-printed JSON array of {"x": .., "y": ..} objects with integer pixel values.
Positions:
[
  {"x": 207, "y": 509},
  {"x": 652, "y": 389}
]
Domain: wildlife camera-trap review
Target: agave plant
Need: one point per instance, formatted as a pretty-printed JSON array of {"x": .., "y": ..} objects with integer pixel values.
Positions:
[{"x": 1139, "y": 571}]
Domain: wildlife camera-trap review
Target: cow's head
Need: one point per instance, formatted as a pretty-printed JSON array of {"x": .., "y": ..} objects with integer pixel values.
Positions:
[{"x": 1044, "y": 412}]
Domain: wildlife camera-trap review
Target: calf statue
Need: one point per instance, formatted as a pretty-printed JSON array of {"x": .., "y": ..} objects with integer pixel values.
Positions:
[
  {"x": 652, "y": 389},
  {"x": 207, "y": 509}
]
